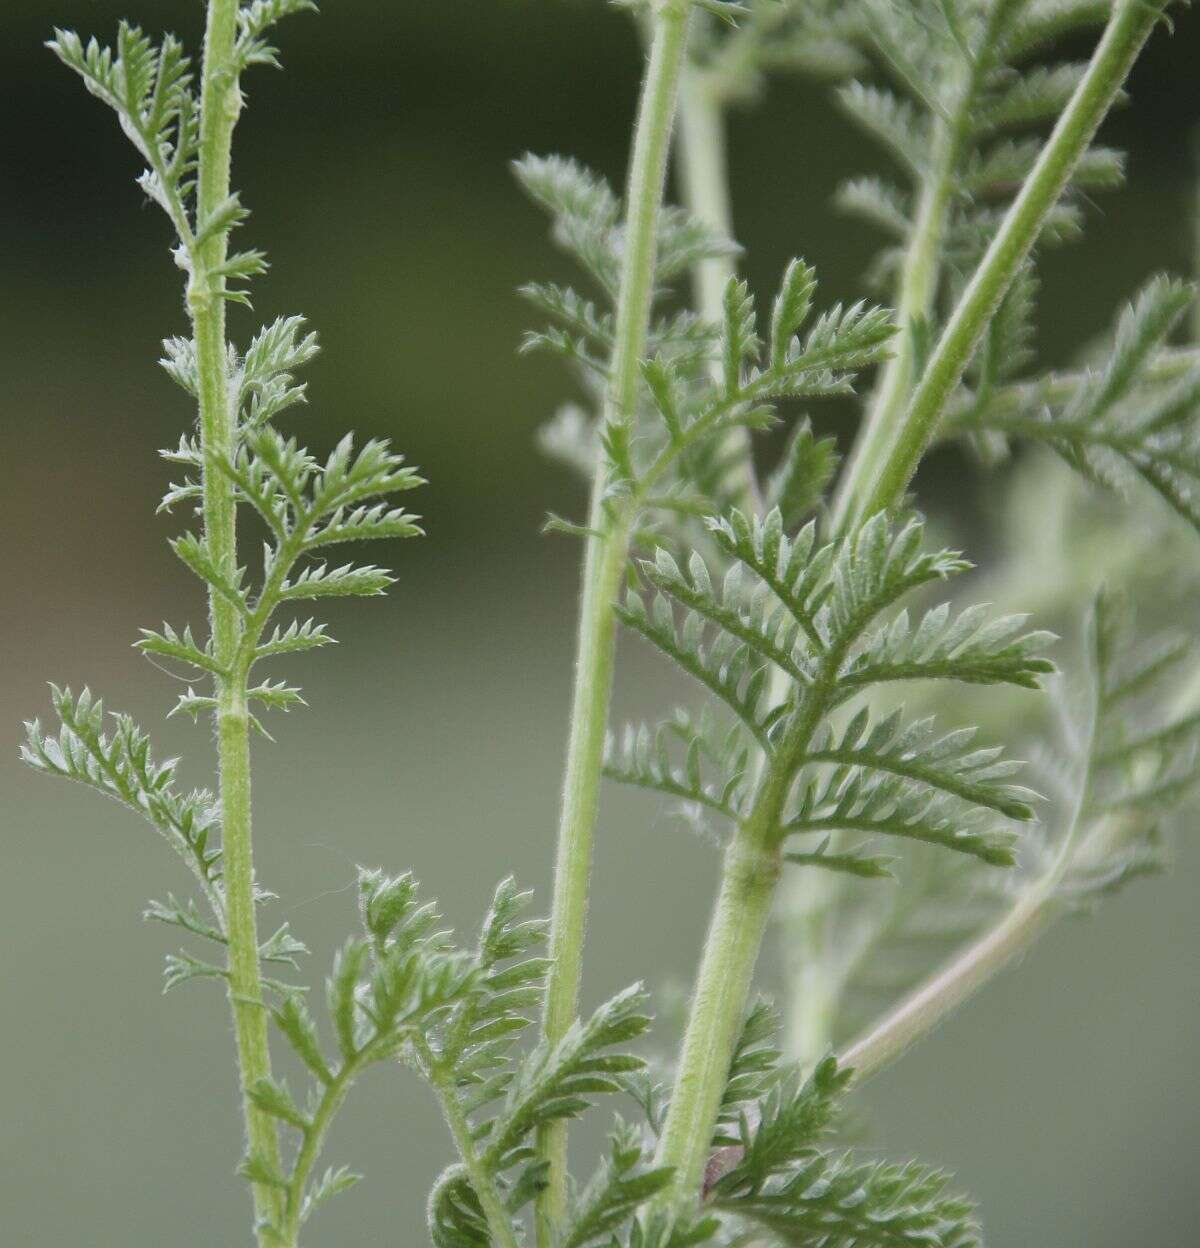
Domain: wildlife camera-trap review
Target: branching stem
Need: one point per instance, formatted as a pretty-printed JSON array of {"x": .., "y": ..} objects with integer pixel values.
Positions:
[
  {"x": 498, "y": 1221},
  {"x": 916, "y": 293},
  {"x": 940, "y": 995},
  {"x": 920, "y": 273},
  {"x": 750, "y": 873},
  {"x": 220, "y": 106},
  {"x": 750, "y": 869},
  {"x": 331, "y": 1101},
  {"x": 604, "y": 566},
  {"x": 881, "y": 484}
]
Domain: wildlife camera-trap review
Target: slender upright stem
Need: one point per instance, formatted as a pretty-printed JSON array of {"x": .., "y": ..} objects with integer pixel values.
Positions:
[
  {"x": 810, "y": 897},
  {"x": 750, "y": 872},
  {"x": 815, "y": 894},
  {"x": 882, "y": 485},
  {"x": 220, "y": 105},
  {"x": 604, "y": 566},
  {"x": 916, "y": 292},
  {"x": 331, "y": 1101},
  {"x": 751, "y": 868},
  {"x": 700, "y": 158},
  {"x": 704, "y": 182}
]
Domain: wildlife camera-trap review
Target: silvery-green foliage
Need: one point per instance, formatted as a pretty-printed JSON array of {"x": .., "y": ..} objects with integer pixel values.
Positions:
[
  {"x": 1129, "y": 420},
  {"x": 968, "y": 78},
  {"x": 1127, "y": 760},
  {"x": 403, "y": 990},
  {"x": 775, "y": 1170},
  {"x": 305, "y": 505},
  {"x": 802, "y": 638},
  {"x": 828, "y": 616},
  {"x": 120, "y": 765},
  {"x": 956, "y": 93},
  {"x": 959, "y": 84},
  {"x": 1107, "y": 820},
  {"x": 672, "y": 456}
]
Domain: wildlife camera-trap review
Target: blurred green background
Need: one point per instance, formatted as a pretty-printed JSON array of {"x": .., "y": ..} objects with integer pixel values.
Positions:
[{"x": 1066, "y": 1098}]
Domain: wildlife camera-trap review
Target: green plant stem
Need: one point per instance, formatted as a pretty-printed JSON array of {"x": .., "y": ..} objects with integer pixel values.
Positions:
[
  {"x": 809, "y": 900},
  {"x": 220, "y": 106},
  {"x": 603, "y": 569},
  {"x": 816, "y": 893},
  {"x": 499, "y": 1223},
  {"x": 331, "y": 1101},
  {"x": 702, "y": 165},
  {"x": 750, "y": 870},
  {"x": 701, "y": 161},
  {"x": 882, "y": 484},
  {"x": 916, "y": 292},
  {"x": 944, "y": 992}
]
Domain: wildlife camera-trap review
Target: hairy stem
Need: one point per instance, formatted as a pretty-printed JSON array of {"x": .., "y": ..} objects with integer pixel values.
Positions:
[
  {"x": 331, "y": 1101},
  {"x": 220, "y": 106},
  {"x": 915, "y": 295},
  {"x": 884, "y": 484},
  {"x": 750, "y": 871},
  {"x": 498, "y": 1221},
  {"x": 603, "y": 568}
]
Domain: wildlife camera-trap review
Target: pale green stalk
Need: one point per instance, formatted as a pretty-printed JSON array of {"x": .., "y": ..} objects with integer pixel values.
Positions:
[
  {"x": 499, "y": 1222},
  {"x": 809, "y": 899},
  {"x": 750, "y": 867},
  {"x": 314, "y": 1134},
  {"x": 220, "y": 105},
  {"x": 815, "y": 893},
  {"x": 928, "y": 1005},
  {"x": 915, "y": 295},
  {"x": 882, "y": 483},
  {"x": 970, "y": 969},
  {"x": 750, "y": 870},
  {"x": 704, "y": 181},
  {"x": 604, "y": 566},
  {"x": 920, "y": 272}
]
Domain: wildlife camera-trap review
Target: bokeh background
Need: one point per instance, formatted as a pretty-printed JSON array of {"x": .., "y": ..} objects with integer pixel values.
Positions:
[{"x": 1066, "y": 1097}]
